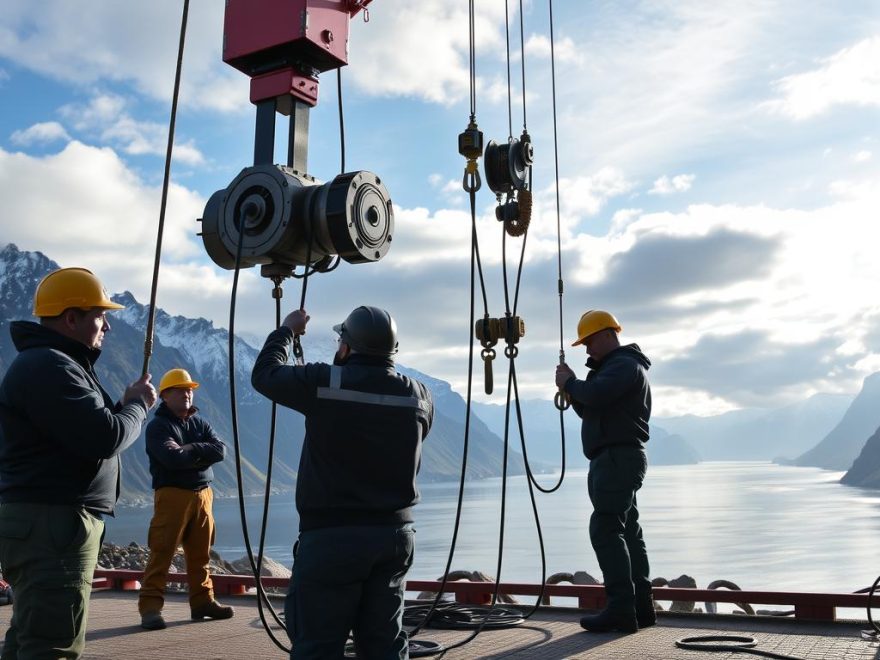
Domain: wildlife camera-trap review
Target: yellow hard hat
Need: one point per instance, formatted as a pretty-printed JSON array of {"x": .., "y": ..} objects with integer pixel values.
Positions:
[
  {"x": 594, "y": 321},
  {"x": 176, "y": 378},
  {"x": 70, "y": 287}
]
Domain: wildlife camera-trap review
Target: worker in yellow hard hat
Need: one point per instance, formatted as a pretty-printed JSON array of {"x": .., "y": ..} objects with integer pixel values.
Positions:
[
  {"x": 614, "y": 403},
  {"x": 181, "y": 447},
  {"x": 60, "y": 438}
]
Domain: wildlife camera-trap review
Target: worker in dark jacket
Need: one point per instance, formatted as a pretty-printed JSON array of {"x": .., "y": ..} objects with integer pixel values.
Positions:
[
  {"x": 614, "y": 403},
  {"x": 60, "y": 438},
  {"x": 181, "y": 447},
  {"x": 356, "y": 485}
]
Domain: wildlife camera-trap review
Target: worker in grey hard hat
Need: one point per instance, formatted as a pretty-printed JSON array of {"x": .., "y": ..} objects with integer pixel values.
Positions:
[
  {"x": 368, "y": 330},
  {"x": 356, "y": 485}
]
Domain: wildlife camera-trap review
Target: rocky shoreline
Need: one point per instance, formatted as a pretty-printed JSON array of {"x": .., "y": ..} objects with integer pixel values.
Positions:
[{"x": 134, "y": 557}]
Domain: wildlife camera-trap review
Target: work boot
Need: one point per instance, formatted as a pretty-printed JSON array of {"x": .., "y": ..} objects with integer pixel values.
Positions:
[
  {"x": 646, "y": 615},
  {"x": 610, "y": 620},
  {"x": 152, "y": 621},
  {"x": 212, "y": 610}
]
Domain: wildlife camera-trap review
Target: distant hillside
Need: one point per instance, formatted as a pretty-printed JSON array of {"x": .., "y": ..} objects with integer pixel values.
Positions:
[
  {"x": 760, "y": 434},
  {"x": 840, "y": 447},
  {"x": 198, "y": 346},
  {"x": 541, "y": 427},
  {"x": 666, "y": 449},
  {"x": 865, "y": 470}
]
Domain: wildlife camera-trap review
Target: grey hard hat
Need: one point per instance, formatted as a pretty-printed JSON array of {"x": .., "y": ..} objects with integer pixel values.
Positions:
[{"x": 369, "y": 330}]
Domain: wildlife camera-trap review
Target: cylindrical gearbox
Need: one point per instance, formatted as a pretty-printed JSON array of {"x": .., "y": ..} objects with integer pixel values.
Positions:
[{"x": 288, "y": 218}]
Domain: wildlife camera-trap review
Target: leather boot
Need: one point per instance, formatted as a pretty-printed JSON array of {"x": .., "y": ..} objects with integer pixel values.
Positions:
[
  {"x": 152, "y": 621},
  {"x": 646, "y": 615},
  {"x": 212, "y": 610},
  {"x": 611, "y": 620}
]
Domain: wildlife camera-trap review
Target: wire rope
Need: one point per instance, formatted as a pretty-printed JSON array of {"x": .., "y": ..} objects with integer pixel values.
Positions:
[{"x": 151, "y": 314}]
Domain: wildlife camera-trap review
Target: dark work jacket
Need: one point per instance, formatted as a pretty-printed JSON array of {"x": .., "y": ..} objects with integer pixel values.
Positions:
[
  {"x": 614, "y": 401},
  {"x": 364, "y": 434},
  {"x": 182, "y": 451},
  {"x": 60, "y": 433}
]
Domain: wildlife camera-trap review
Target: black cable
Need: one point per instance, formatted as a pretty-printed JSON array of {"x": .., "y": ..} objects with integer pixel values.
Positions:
[
  {"x": 267, "y": 493},
  {"x": 472, "y": 58},
  {"x": 509, "y": 100},
  {"x": 729, "y": 644},
  {"x": 522, "y": 52},
  {"x": 341, "y": 121},
  {"x": 151, "y": 315},
  {"x": 452, "y": 616},
  {"x": 237, "y": 445},
  {"x": 467, "y": 423},
  {"x": 871, "y": 621}
]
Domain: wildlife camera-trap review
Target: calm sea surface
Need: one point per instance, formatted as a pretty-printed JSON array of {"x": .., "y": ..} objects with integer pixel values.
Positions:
[{"x": 760, "y": 525}]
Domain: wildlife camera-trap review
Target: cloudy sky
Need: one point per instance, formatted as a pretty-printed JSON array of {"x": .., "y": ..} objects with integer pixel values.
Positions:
[{"x": 719, "y": 176}]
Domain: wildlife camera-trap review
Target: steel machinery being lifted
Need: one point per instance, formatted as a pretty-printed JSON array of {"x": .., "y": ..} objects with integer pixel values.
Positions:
[{"x": 287, "y": 217}]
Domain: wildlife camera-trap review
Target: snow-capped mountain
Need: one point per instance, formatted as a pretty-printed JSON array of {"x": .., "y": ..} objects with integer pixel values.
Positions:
[{"x": 206, "y": 347}]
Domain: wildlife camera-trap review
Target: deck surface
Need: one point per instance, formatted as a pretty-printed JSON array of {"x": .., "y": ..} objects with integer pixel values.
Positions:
[{"x": 114, "y": 633}]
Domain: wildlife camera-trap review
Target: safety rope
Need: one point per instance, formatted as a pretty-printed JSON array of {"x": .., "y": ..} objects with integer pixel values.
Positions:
[{"x": 151, "y": 313}]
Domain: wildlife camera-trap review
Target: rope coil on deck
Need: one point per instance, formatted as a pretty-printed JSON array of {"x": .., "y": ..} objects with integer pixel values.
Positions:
[{"x": 728, "y": 644}]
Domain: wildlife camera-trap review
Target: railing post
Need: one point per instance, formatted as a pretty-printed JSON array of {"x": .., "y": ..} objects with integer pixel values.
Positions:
[{"x": 815, "y": 612}]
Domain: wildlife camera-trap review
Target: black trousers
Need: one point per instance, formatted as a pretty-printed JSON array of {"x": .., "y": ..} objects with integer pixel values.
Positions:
[
  {"x": 349, "y": 579},
  {"x": 615, "y": 476}
]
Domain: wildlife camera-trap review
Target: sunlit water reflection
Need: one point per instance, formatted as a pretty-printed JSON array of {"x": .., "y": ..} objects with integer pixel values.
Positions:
[{"x": 760, "y": 525}]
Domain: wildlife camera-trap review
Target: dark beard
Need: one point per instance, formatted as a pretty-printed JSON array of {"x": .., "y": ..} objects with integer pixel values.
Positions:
[{"x": 338, "y": 361}]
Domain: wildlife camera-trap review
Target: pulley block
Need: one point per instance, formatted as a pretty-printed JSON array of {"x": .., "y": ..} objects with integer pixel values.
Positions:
[
  {"x": 507, "y": 165},
  {"x": 288, "y": 218},
  {"x": 508, "y": 329}
]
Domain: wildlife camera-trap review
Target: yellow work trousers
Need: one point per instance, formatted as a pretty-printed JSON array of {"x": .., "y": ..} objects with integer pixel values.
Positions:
[{"x": 180, "y": 517}]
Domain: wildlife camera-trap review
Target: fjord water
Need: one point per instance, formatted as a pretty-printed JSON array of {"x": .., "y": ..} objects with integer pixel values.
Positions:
[{"x": 760, "y": 525}]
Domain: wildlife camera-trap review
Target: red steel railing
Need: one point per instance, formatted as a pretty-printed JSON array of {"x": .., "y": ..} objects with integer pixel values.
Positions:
[{"x": 807, "y": 605}]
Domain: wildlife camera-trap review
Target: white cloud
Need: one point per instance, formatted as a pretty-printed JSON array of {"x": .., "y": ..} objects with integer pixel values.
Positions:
[
  {"x": 42, "y": 133},
  {"x": 131, "y": 42},
  {"x": 106, "y": 117},
  {"x": 849, "y": 77},
  {"x": 587, "y": 195},
  {"x": 99, "y": 213},
  {"x": 564, "y": 50},
  {"x": 420, "y": 49},
  {"x": 862, "y": 156},
  {"x": 676, "y": 184}
]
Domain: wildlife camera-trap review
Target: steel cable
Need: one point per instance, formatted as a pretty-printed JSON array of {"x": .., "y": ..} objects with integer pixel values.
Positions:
[{"x": 151, "y": 314}]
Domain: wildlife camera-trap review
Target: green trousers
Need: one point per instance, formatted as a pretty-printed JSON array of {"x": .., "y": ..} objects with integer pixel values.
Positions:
[
  {"x": 615, "y": 477},
  {"x": 48, "y": 553}
]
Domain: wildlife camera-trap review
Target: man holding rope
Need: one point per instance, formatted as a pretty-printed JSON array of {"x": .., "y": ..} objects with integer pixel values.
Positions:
[{"x": 356, "y": 485}]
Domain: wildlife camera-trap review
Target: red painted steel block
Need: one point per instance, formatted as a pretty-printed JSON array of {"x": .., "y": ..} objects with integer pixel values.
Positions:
[{"x": 260, "y": 36}]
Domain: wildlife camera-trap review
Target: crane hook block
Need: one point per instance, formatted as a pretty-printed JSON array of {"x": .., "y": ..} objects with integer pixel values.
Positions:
[{"x": 288, "y": 218}]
